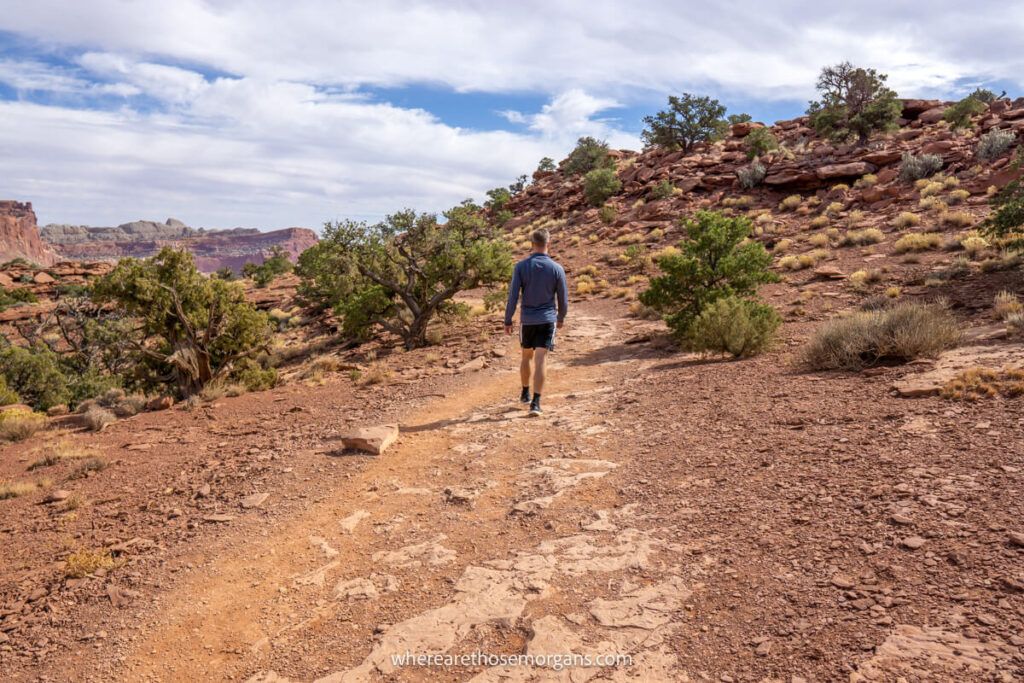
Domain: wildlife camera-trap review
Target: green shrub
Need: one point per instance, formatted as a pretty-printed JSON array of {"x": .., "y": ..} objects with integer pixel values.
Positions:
[
  {"x": 1005, "y": 223},
  {"x": 607, "y": 213},
  {"x": 712, "y": 263},
  {"x": 901, "y": 332},
  {"x": 254, "y": 376},
  {"x": 688, "y": 120},
  {"x": 190, "y": 327},
  {"x": 18, "y": 295},
  {"x": 399, "y": 274},
  {"x": 854, "y": 102},
  {"x": 662, "y": 190},
  {"x": 264, "y": 273},
  {"x": 600, "y": 184},
  {"x": 35, "y": 375},
  {"x": 7, "y": 395},
  {"x": 915, "y": 167},
  {"x": 959, "y": 115},
  {"x": 751, "y": 176},
  {"x": 546, "y": 165},
  {"x": 733, "y": 119},
  {"x": 739, "y": 327},
  {"x": 589, "y": 154},
  {"x": 760, "y": 141},
  {"x": 994, "y": 144}
]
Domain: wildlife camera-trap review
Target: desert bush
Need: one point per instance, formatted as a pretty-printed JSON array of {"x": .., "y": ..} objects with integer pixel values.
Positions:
[
  {"x": 819, "y": 222},
  {"x": 751, "y": 176},
  {"x": 818, "y": 240},
  {"x": 956, "y": 219},
  {"x": 1007, "y": 304},
  {"x": 906, "y": 219},
  {"x": 588, "y": 154},
  {"x": 958, "y": 196},
  {"x": 607, "y": 214},
  {"x": 783, "y": 245},
  {"x": 714, "y": 262},
  {"x": 190, "y": 327},
  {"x": 959, "y": 115},
  {"x": 916, "y": 167},
  {"x": 994, "y": 144},
  {"x": 600, "y": 184},
  {"x": 688, "y": 120},
  {"x": 861, "y": 278},
  {"x": 760, "y": 141},
  {"x": 739, "y": 327},
  {"x": 854, "y": 102},
  {"x": 790, "y": 203},
  {"x": 96, "y": 418},
  {"x": 931, "y": 188},
  {"x": 87, "y": 467},
  {"x": 866, "y": 180},
  {"x": 916, "y": 242},
  {"x": 833, "y": 208},
  {"x": 901, "y": 332},
  {"x": 862, "y": 237},
  {"x": 662, "y": 190},
  {"x": 16, "y": 489},
  {"x": 974, "y": 245},
  {"x": 399, "y": 274},
  {"x": 546, "y": 165},
  {"x": 17, "y": 424}
]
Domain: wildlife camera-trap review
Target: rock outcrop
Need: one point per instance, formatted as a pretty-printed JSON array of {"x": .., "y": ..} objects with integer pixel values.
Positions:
[
  {"x": 213, "y": 249},
  {"x": 19, "y": 234}
]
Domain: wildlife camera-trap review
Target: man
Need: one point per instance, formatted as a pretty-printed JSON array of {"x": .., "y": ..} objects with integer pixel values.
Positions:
[{"x": 542, "y": 283}]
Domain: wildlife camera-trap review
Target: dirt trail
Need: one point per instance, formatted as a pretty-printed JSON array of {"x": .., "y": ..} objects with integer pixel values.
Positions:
[{"x": 435, "y": 548}]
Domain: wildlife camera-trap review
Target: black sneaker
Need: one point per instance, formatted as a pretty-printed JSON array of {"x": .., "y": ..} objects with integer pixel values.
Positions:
[
  {"x": 535, "y": 410},
  {"x": 525, "y": 396}
]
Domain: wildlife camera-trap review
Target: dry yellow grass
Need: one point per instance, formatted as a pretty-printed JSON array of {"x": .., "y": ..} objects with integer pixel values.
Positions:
[
  {"x": 84, "y": 562},
  {"x": 818, "y": 240},
  {"x": 15, "y": 489},
  {"x": 906, "y": 219},
  {"x": 790, "y": 203},
  {"x": 916, "y": 242},
  {"x": 982, "y": 382},
  {"x": 17, "y": 424},
  {"x": 863, "y": 237},
  {"x": 1007, "y": 304},
  {"x": 956, "y": 219}
]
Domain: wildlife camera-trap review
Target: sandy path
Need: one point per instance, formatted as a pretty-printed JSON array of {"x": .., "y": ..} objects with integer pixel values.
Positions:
[{"x": 433, "y": 549}]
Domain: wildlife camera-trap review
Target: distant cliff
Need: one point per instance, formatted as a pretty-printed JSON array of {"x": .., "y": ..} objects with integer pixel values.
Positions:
[
  {"x": 213, "y": 249},
  {"x": 19, "y": 234}
]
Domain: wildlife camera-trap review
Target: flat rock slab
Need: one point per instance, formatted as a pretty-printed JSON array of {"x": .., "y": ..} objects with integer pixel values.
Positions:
[
  {"x": 373, "y": 440},
  {"x": 953, "y": 362}
]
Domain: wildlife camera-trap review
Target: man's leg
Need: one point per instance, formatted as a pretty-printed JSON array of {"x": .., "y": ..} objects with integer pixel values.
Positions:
[
  {"x": 538, "y": 372},
  {"x": 524, "y": 373}
]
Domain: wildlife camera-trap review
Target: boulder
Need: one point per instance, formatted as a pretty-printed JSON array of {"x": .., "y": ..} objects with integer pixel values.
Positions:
[
  {"x": 1013, "y": 114},
  {"x": 933, "y": 115},
  {"x": 914, "y": 108},
  {"x": 882, "y": 157},
  {"x": 373, "y": 440},
  {"x": 939, "y": 147},
  {"x": 794, "y": 178}
]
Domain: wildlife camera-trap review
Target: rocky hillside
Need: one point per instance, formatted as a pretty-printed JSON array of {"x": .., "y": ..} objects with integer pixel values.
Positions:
[
  {"x": 19, "y": 235},
  {"x": 213, "y": 249}
]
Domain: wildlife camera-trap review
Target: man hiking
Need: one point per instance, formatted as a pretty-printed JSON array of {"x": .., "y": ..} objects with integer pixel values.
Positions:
[{"x": 542, "y": 282}]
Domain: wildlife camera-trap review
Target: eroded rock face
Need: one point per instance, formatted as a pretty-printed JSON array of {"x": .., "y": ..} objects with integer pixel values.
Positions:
[
  {"x": 19, "y": 234},
  {"x": 213, "y": 249}
]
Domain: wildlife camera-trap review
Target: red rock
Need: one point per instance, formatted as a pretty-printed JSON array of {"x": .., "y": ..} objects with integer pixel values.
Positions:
[
  {"x": 43, "y": 278},
  {"x": 938, "y": 147},
  {"x": 933, "y": 115},
  {"x": 1013, "y": 114},
  {"x": 19, "y": 234},
  {"x": 373, "y": 440},
  {"x": 793, "y": 178},
  {"x": 851, "y": 169},
  {"x": 914, "y": 108},
  {"x": 882, "y": 157}
]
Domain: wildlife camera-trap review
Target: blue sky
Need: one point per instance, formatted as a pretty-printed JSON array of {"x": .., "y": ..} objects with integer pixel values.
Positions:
[{"x": 238, "y": 112}]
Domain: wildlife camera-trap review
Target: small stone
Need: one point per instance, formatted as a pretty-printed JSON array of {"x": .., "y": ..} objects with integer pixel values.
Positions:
[
  {"x": 57, "y": 496},
  {"x": 1016, "y": 538},
  {"x": 374, "y": 440},
  {"x": 219, "y": 519},
  {"x": 842, "y": 581},
  {"x": 763, "y": 649},
  {"x": 912, "y": 542},
  {"x": 203, "y": 491},
  {"x": 902, "y": 520},
  {"x": 254, "y": 500}
]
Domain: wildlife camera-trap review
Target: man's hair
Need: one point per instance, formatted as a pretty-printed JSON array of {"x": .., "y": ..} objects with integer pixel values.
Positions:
[{"x": 540, "y": 237}]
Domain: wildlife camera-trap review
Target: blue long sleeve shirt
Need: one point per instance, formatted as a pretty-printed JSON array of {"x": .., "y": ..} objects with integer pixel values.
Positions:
[{"x": 541, "y": 282}]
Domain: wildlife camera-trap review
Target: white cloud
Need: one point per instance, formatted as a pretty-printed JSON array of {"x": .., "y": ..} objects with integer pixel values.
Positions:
[{"x": 253, "y": 113}]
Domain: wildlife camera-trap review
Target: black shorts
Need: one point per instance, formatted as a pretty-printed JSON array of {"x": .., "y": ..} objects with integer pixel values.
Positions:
[{"x": 537, "y": 336}]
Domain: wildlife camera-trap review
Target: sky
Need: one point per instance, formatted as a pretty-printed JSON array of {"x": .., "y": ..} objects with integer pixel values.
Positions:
[{"x": 264, "y": 114}]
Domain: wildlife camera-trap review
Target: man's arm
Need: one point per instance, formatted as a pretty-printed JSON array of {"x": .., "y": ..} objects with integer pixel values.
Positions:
[
  {"x": 562, "y": 289},
  {"x": 513, "y": 299}
]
